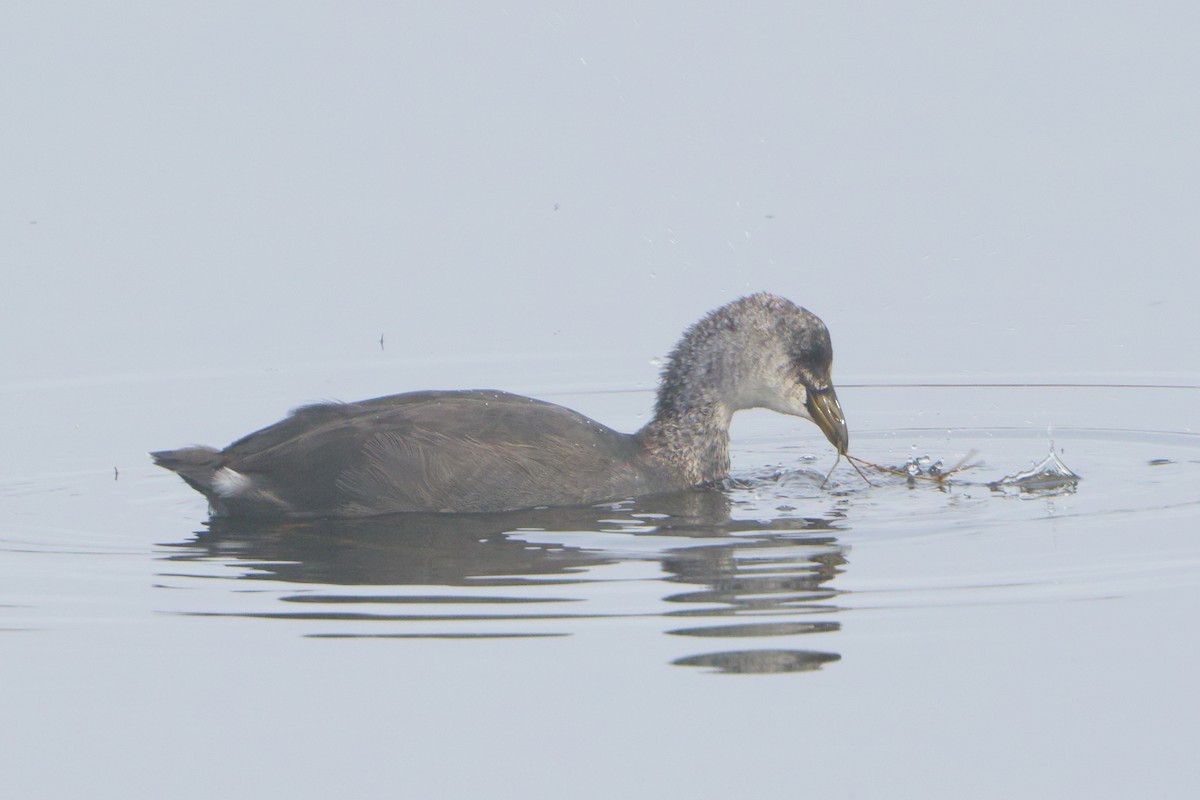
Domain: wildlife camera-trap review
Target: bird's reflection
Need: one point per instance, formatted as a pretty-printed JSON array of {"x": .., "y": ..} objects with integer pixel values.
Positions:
[{"x": 739, "y": 579}]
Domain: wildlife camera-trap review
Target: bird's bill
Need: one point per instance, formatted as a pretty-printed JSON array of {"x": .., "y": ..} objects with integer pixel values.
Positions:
[{"x": 826, "y": 411}]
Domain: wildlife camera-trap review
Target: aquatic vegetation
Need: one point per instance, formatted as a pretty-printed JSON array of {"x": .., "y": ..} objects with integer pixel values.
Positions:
[
  {"x": 1050, "y": 475},
  {"x": 917, "y": 468}
]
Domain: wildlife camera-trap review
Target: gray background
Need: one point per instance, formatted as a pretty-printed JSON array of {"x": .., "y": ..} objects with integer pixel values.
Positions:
[{"x": 963, "y": 192}]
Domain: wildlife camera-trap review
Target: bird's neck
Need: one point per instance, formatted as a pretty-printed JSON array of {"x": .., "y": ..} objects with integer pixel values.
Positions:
[
  {"x": 692, "y": 443},
  {"x": 689, "y": 434}
]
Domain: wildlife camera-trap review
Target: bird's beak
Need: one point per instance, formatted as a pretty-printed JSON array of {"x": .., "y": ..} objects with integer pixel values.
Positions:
[{"x": 826, "y": 411}]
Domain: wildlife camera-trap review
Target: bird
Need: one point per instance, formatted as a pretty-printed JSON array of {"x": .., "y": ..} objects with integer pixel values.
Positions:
[{"x": 478, "y": 451}]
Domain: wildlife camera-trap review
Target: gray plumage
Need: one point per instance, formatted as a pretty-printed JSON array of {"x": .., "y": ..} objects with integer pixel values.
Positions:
[{"x": 474, "y": 451}]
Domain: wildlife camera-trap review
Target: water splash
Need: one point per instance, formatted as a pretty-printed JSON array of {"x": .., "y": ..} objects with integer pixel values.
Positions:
[
  {"x": 1050, "y": 475},
  {"x": 923, "y": 467}
]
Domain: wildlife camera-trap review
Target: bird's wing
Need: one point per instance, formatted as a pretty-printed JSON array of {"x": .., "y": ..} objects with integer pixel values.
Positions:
[{"x": 461, "y": 451}]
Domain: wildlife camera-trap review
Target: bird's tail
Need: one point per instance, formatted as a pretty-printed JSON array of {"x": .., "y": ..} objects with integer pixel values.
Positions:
[{"x": 196, "y": 465}]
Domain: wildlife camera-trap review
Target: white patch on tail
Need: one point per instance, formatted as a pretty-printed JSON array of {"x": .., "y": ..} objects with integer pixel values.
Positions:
[{"x": 230, "y": 483}]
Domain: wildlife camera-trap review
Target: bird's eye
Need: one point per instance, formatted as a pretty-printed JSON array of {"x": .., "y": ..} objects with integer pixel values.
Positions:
[{"x": 820, "y": 356}]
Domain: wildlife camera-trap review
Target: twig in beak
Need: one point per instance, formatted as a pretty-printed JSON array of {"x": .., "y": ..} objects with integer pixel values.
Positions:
[
  {"x": 851, "y": 459},
  {"x": 831, "y": 469},
  {"x": 857, "y": 469}
]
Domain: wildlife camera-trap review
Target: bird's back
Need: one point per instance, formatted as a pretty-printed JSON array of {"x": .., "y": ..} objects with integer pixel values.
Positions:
[{"x": 422, "y": 451}]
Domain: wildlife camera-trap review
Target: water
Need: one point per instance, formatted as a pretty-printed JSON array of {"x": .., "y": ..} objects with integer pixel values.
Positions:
[
  {"x": 785, "y": 628},
  {"x": 213, "y": 212}
]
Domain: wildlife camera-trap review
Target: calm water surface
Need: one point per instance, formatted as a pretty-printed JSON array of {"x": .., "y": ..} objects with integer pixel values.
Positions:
[
  {"x": 889, "y": 640},
  {"x": 380, "y": 197}
]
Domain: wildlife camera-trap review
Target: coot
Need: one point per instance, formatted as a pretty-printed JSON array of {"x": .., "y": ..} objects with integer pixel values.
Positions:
[{"x": 478, "y": 451}]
